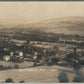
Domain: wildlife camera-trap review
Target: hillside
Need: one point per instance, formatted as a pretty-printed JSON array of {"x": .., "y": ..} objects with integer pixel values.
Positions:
[{"x": 67, "y": 25}]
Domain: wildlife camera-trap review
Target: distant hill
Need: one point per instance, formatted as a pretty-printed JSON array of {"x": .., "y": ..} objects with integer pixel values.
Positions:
[{"x": 67, "y": 25}]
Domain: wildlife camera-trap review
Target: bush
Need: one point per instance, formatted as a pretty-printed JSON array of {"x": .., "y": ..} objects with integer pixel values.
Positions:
[
  {"x": 21, "y": 82},
  {"x": 63, "y": 77},
  {"x": 9, "y": 80},
  {"x": 1, "y": 66},
  {"x": 16, "y": 67},
  {"x": 79, "y": 77},
  {"x": 9, "y": 67}
]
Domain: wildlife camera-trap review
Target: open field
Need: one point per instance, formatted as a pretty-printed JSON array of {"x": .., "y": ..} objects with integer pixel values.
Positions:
[{"x": 38, "y": 74}]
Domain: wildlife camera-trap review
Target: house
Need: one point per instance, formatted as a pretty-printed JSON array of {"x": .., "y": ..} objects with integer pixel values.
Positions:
[{"x": 6, "y": 57}]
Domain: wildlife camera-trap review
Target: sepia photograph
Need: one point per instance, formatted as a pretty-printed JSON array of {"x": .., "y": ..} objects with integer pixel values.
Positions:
[{"x": 41, "y": 42}]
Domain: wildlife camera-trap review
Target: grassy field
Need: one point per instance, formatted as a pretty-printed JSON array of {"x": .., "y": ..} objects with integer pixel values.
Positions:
[{"x": 39, "y": 74}]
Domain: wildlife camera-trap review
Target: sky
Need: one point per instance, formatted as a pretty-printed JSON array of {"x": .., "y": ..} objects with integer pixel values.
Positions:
[{"x": 28, "y": 12}]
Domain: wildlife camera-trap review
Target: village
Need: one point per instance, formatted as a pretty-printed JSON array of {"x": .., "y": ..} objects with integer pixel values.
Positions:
[
  {"x": 27, "y": 54},
  {"x": 40, "y": 53}
]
